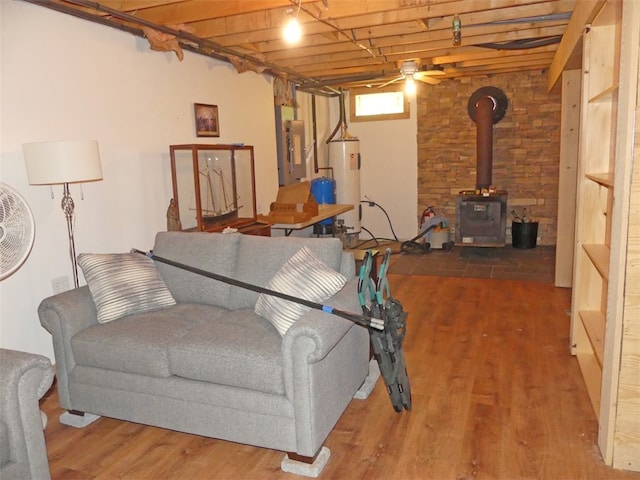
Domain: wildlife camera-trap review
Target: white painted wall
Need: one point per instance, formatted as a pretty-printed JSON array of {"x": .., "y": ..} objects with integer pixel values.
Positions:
[
  {"x": 66, "y": 78},
  {"x": 389, "y": 172}
]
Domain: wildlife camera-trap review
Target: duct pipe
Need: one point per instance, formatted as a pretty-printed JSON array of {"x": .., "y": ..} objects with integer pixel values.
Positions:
[
  {"x": 486, "y": 106},
  {"x": 484, "y": 142}
]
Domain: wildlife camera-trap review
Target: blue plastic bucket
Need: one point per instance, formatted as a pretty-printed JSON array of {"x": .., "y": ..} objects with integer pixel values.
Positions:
[{"x": 323, "y": 190}]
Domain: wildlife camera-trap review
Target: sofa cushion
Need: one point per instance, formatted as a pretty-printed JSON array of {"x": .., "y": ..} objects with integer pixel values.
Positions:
[
  {"x": 271, "y": 253},
  {"x": 212, "y": 252},
  {"x": 123, "y": 284},
  {"x": 138, "y": 343},
  {"x": 304, "y": 276},
  {"x": 238, "y": 349}
]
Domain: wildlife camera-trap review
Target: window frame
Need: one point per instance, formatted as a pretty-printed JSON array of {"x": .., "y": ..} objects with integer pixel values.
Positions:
[{"x": 398, "y": 87}]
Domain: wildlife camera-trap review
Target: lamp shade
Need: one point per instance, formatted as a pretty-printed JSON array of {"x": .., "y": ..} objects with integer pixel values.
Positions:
[{"x": 72, "y": 161}]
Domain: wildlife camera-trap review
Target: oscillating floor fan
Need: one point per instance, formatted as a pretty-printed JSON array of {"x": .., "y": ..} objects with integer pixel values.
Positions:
[{"x": 17, "y": 230}]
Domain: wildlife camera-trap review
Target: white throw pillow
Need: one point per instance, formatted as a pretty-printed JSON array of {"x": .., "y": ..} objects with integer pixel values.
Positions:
[
  {"x": 304, "y": 276},
  {"x": 123, "y": 284}
]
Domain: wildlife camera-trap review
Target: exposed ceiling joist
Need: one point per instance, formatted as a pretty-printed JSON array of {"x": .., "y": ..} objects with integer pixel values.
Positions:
[{"x": 347, "y": 42}]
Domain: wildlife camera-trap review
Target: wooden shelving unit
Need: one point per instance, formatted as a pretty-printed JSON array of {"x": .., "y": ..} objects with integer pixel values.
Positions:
[{"x": 605, "y": 323}]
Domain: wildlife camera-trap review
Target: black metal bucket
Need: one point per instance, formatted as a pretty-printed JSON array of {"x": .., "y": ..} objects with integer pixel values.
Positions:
[{"x": 524, "y": 235}]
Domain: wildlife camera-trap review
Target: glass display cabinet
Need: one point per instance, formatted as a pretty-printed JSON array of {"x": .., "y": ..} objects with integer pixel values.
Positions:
[{"x": 213, "y": 186}]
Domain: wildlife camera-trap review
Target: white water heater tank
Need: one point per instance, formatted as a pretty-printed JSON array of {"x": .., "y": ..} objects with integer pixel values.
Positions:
[{"x": 344, "y": 158}]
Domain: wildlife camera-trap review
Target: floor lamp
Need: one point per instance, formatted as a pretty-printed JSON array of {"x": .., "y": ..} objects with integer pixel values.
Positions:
[{"x": 63, "y": 162}]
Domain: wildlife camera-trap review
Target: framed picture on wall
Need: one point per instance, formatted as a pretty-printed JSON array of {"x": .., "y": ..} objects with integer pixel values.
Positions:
[{"x": 207, "y": 123}]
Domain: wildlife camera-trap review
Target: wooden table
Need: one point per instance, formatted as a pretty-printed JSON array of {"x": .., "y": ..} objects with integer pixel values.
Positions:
[{"x": 325, "y": 210}]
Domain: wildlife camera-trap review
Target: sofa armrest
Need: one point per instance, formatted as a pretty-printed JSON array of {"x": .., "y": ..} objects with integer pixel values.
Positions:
[
  {"x": 326, "y": 359},
  {"x": 348, "y": 265},
  {"x": 24, "y": 379},
  {"x": 322, "y": 329},
  {"x": 63, "y": 316}
]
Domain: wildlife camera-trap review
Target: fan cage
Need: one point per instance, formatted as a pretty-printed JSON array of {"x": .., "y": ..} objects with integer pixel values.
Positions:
[{"x": 17, "y": 230}]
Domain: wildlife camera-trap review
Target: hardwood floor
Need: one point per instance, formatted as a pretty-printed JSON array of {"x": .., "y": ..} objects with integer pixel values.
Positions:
[{"x": 496, "y": 395}]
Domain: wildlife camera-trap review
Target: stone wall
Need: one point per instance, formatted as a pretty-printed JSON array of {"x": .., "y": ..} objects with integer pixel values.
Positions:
[{"x": 526, "y": 147}]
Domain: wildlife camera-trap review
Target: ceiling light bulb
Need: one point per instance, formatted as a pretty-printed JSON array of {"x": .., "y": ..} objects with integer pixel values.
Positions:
[
  {"x": 292, "y": 31},
  {"x": 410, "y": 86}
]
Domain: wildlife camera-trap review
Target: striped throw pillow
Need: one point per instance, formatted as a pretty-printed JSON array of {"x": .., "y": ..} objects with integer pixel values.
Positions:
[
  {"x": 123, "y": 284},
  {"x": 304, "y": 276}
]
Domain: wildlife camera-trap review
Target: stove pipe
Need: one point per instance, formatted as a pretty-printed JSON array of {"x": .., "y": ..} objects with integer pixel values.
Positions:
[
  {"x": 486, "y": 106},
  {"x": 484, "y": 142}
]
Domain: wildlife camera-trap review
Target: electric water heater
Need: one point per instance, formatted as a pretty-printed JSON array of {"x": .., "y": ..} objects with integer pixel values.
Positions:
[{"x": 344, "y": 157}]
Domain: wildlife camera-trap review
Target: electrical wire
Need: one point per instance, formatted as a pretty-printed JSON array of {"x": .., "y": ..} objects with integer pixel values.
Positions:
[
  {"x": 372, "y": 203},
  {"x": 411, "y": 246},
  {"x": 372, "y": 239},
  {"x": 522, "y": 44}
]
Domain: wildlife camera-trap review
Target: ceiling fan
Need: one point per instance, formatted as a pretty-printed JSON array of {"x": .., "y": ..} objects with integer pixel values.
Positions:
[{"x": 410, "y": 70}]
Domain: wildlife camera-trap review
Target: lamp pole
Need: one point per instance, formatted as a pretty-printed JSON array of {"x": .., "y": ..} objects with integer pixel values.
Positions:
[{"x": 67, "y": 207}]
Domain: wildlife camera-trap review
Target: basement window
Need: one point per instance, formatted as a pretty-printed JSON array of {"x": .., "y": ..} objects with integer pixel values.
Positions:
[{"x": 371, "y": 104}]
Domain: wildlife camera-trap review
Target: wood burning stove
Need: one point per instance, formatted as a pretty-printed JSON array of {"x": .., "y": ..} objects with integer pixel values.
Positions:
[
  {"x": 481, "y": 220},
  {"x": 481, "y": 214}
]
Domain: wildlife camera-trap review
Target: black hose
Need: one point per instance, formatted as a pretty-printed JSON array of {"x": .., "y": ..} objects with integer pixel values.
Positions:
[
  {"x": 411, "y": 246},
  {"x": 523, "y": 44},
  {"x": 341, "y": 120}
]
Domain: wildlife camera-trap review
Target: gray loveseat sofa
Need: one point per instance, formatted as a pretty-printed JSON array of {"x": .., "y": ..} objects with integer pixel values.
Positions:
[
  {"x": 24, "y": 379},
  {"x": 209, "y": 365}
]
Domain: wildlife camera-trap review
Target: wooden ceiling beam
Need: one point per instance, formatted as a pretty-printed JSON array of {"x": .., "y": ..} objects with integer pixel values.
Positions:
[
  {"x": 475, "y": 56},
  {"x": 487, "y": 53},
  {"x": 190, "y": 11},
  {"x": 358, "y": 17},
  {"x": 388, "y": 68},
  {"x": 511, "y": 68},
  {"x": 422, "y": 50},
  {"x": 448, "y": 80},
  {"x": 357, "y": 40},
  {"x": 391, "y": 44},
  {"x": 504, "y": 60},
  {"x": 129, "y": 6},
  {"x": 533, "y": 59},
  {"x": 368, "y": 26},
  {"x": 446, "y": 55}
]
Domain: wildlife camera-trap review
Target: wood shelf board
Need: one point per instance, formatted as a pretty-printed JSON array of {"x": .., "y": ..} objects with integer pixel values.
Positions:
[
  {"x": 605, "y": 95},
  {"x": 604, "y": 179},
  {"x": 594, "y": 325},
  {"x": 592, "y": 374},
  {"x": 599, "y": 255}
]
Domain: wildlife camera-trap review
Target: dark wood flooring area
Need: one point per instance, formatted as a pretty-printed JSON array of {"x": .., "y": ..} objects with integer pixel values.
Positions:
[
  {"x": 496, "y": 395},
  {"x": 506, "y": 263}
]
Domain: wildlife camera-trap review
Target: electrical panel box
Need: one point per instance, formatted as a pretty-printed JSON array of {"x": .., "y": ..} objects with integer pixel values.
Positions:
[{"x": 292, "y": 165}]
